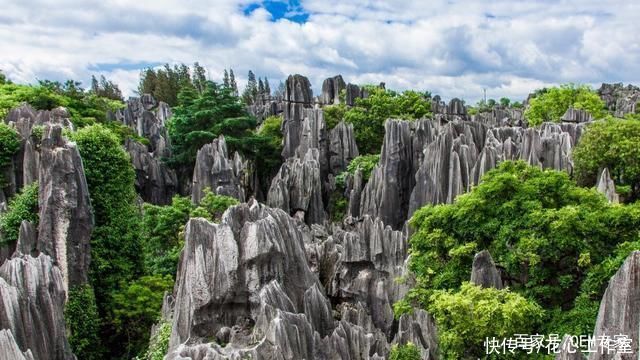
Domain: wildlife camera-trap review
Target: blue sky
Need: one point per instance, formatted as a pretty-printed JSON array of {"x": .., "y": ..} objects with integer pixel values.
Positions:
[{"x": 452, "y": 48}]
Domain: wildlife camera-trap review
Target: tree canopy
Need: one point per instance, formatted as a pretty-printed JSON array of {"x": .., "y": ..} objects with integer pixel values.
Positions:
[{"x": 549, "y": 104}]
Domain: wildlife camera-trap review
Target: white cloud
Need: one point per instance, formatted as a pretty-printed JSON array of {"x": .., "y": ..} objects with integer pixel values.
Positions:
[{"x": 453, "y": 48}]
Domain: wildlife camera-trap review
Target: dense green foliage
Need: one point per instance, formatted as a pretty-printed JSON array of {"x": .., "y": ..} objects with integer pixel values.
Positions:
[
  {"x": 9, "y": 146},
  {"x": 611, "y": 143},
  {"x": 369, "y": 114},
  {"x": 115, "y": 242},
  {"x": 81, "y": 316},
  {"x": 136, "y": 308},
  {"x": 200, "y": 118},
  {"x": 165, "y": 83},
  {"x": 333, "y": 114},
  {"x": 159, "y": 343},
  {"x": 364, "y": 163},
  {"x": 407, "y": 351},
  {"x": 556, "y": 243},
  {"x": 24, "y": 206},
  {"x": 161, "y": 240},
  {"x": 85, "y": 107},
  {"x": 465, "y": 318},
  {"x": 550, "y": 104},
  {"x": 212, "y": 205}
]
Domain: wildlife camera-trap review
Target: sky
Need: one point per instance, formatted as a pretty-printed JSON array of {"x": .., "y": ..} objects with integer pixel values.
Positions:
[{"x": 452, "y": 48}]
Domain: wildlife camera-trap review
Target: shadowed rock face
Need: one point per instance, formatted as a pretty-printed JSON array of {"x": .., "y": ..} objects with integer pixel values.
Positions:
[
  {"x": 225, "y": 266},
  {"x": 620, "y": 309},
  {"x": 32, "y": 300},
  {"x": 620, "y": 99},
  {"x": 217, "y": 171},
  {"x": 484, "y": 271},
  {"x": 66, "y": 220},
  {"x": 342, "y": 147},
  {"x": 331, "y": 89},
  {"x": 297, "y": 97},
  {"x": 147, "y": 118},
  {"x": 155, "y": 181}
]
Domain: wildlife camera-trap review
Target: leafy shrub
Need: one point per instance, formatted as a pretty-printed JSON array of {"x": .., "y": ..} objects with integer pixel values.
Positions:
[
  {"x": 116, "y": 252},
  {"x": 333, "y": 114},
  {"x": 369, "y": 115},
  {"x": 407, "y": 351},
  {"x": 159, "y": 343},
  {"x": 83, "y": 323},
  {"x": 212, "y": 205},
  {"x": 9, "y": 145},
  {"x": 24, "y": 206},
  {"x": 364, "y": 163},
  {"x": 550, "y": 104},
  {"x": 613, "y": 144},
  {"x": 137, "y": 308},
  {"x": 465, "y": 318},
  {"x": 161, "y": 240}
]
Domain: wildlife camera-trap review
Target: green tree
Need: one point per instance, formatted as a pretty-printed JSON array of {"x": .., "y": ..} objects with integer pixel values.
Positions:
[
  {"x": 9, "y": 146},
  {"x": 23, "y": 206},
  {"x": 541, "y": 241},
  {"x": 369, "y": 114},
  {"x": 611, "y": 143},
  {"x": 505, "y": 101},
  {"x": 407, "y": 351},
  {"x": 137, "y": 308},
  {"x": 465, "y": 318},
  {"x": 159, "y": 343},
  {"x": 199, "y": 119},
  {"x": 550, "y": 104},
  {"x": 161, "y": 235},
  {"x": 250, "y": 92},
  {"x": 116, "y": 252},
  {"x": 83, "y": 323},
  {"x": 212, "y": 205}
]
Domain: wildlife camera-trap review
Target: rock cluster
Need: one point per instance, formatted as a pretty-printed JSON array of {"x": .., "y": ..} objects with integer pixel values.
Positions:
[
  {"x": 620, "y": 99},
  {"x": 219, "y": 172},
  {"x": 331, "y": 89},
  {"x": 155, "y": 181}
]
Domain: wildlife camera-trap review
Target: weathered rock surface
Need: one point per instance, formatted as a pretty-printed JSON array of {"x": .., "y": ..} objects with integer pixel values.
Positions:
[
  {"x": 607, "y": 187},
  {"x": 298, "y": 188},
  {"x": 419, "y": 328},
  {"x": 297, "y": 97},
  {"x": 331, "y": 89},
  {"x": 147, "y": 117},
  {"x": 620, "y": 310},
  {"x": 388, "y": 190},
  {"x": 32, "y": 300},
  {"x": 484, "y": 271},
  {"x": 620, "y": 99},
  {"x": 9, "y": 349},
  {"x": 342, "y": 147},
  {"x": 155, "y": 181},
  {"x": 66, "y": 220},
  {"x": 216, "y": 170},
  {"x": 576, "y": 116}
]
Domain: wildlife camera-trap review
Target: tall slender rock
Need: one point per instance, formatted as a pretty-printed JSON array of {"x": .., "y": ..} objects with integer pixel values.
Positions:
[
  {"x": 607, "y": 187},
  {"x": 619, "y": 313},
  {"x": 297, "y": 97},
  {"x": 484, "y": 272},
  {"x": 65, "y": 216},
  {"x": 331, "y": 89},
  {"x": 219, "y": 172}
]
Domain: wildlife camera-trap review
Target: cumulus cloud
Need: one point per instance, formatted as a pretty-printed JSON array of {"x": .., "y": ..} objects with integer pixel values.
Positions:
[{"x": 453, "y": 48}]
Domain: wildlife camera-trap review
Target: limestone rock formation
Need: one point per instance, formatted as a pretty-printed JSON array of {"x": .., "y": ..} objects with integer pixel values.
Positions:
[
  {"x": 32, "y": 297},
  {"x": 147, "y": 117},
  {"x": 225, "y": 267},
  {"x": 620, "y": 99},
  {"x": 331, "y": 89},
  {"x": 297, "y": 97},
  {"x": 569, "y": 349},
  {"x": 620, "y": 310},
  {"x": 216, "y": 170},
  {"x": 155, "y": 181},
  {"x": 484, "y": 271},
  {"x": 387, "y": 193},
  {"x": 419, "y": 328},
  {"x": 342, "y": 147},
  {"x": 576, "y": 116},
  {"x": 607, "y": 187},
  {"x": 9, "y": 349},
  {"x": 298, "y": 188},
  {"x": 66, "y": 219}
]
